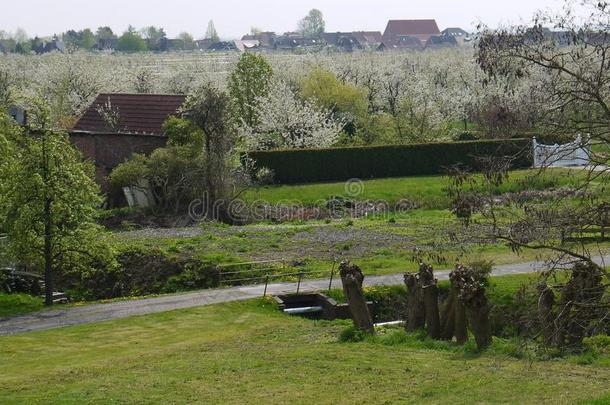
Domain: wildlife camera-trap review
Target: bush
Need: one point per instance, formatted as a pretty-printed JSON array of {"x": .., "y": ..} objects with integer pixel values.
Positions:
[
  {"x": 144, "y": 271},
  {"x": 338, "y": 164},
  {"x": 466, "y": 136},
  {"x": 264, "y": 176},
  {"x": 173, "y": 174},
  {"x": 352, "y": 334}
]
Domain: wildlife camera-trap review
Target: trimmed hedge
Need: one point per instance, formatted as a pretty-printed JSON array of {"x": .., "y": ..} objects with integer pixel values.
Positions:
[{"x": 340, "y": 164}]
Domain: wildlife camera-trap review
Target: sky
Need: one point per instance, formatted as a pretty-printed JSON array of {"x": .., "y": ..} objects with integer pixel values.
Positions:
[{"x": 234, "y": 18}]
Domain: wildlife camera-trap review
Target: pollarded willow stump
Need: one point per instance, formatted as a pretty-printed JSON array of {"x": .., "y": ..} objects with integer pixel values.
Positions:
[
  {"x": 448, "y": 316},
  {"x": 430, "y": 295},
  {"x": 416, "y": 313},
  {"x": 352, "y": 278},
  {"x": 471, "y": 287},
  {"x": 579, "y": 304},
  {"x": 455, "y": 323}
]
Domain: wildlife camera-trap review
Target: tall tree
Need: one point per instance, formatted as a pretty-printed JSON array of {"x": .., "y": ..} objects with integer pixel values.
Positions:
[
  {"x": 209, "y": 109},
  {"x": 104, "y": 37},
  {"x": 50, "y": 202},
  {"x": 570, "y": 64},
  {"x": 188, "y": 43},
  {"x": 155, "y": 37},
  {"x": 247, "y": 84},
  {"x": 8, "y": 157},
  {"x": 131, "y": 41},
  {"x": 313, "y": 25},
  {"x": 153, "y": 33},
  {"x": 21, "y": 36},
  {"x": 87, "y": 39},
  {"x": 211, "y": 34},
  {"x": 104, "y": 33}
]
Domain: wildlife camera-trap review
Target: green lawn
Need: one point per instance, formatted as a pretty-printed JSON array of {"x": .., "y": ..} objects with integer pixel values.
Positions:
[
  {"x": 250, "y": 353},
  {"x": 427, "y": 191}
]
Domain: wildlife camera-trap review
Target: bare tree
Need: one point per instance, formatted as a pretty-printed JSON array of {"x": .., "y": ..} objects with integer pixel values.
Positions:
[{"x": 570, "y": 58}]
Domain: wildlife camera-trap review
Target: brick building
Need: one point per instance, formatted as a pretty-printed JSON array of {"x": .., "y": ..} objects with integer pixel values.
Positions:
[{"x": 137, "y": 129}]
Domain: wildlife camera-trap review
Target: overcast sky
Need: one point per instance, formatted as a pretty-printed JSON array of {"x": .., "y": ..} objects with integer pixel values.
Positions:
[{"x": 234, "y": 18}]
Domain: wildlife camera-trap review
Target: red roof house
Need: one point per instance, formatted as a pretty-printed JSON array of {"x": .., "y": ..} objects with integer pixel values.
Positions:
[
  {"x": 138, "y": 113},
  {"x": 136, "y": 129},
  {"x": 397, "y": 30}
]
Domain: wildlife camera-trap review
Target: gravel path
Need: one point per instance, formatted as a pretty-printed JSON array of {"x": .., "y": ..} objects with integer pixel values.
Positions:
[{"x": 57, "y": 318}]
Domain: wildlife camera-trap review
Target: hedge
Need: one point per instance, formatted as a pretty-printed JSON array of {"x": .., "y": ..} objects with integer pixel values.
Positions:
[{"x": 340, "y": 164}]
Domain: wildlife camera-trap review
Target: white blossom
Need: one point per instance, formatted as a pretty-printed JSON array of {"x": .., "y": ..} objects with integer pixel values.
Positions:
[{"x": 287, "y": 122}]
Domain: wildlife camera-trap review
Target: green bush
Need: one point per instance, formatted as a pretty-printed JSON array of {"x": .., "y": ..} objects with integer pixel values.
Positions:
[
  {"x": 144, "y": 271},
  {"x": 352, "y": 334},
  {"x": 338, "y": 164}
]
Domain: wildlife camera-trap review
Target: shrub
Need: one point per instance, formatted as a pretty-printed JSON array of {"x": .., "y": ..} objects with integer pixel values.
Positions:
[
  {"x": 143, "y": 271},
  {"x": 337, "y": 164},
  {"x": 352, "y": 334},
  {"x": 466, "y": 136},
  {"x": 264, "y": 176}
]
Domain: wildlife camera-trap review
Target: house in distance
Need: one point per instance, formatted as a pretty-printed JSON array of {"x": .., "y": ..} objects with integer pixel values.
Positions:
[{"x": 116, "y": 126}]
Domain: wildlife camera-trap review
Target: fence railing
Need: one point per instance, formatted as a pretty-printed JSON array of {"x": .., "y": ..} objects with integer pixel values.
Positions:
[{"x": 255, "y": 275}]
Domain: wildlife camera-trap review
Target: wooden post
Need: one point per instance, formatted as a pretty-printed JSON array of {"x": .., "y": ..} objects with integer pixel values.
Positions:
[
  {"x": 299, "y": 283},
  {"x": 266, "y": 284},
  {"x": 352, "y": 278}
]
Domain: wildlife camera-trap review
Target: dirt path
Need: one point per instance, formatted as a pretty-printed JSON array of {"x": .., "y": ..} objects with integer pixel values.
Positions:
[{"x": 57, "y": 318}]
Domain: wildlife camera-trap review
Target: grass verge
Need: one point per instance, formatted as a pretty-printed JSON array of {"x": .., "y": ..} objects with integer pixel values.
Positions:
[
  {"x": 250, "y": 352},
  {"x": 18, "y": 304}
]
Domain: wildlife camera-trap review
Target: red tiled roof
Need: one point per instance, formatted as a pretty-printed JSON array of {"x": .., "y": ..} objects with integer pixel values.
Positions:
[
  {"x": 139, "y": 113},
  {"x": 421, "y": 29}
]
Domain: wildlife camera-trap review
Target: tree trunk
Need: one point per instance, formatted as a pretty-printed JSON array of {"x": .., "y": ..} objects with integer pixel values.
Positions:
[
  {"x": 545, "y": 313},
  {"x": 48, "y": 255},
  {"x": 430, "y": 293},
  {"x": 478, "y": 318},
  {"x": 415, "y": 304},
  {"x": 352, "y": 278},
  {"x": 48, "y": 231},
  {"x": 461, "y": 323},
  {"x": 433, "y": 322},
  {"x": 448, "y": 317}
]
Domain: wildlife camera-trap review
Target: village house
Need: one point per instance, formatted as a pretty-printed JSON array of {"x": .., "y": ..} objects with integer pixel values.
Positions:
[
  {"x": 223, "y": 46},
  {"x": 247, "y": 45},
  {"x": 353, "y": 41},
  {"x": 401, "y": 31},
  {"x": 266, "y": 40},
  {"x": 461, "y": 37},
  {"x": 46, "y": 45},
  {"x": 441, "y": 41},
  {"x": 401, "y": 44},
  {"x": 139, "y": 128},
  {"x": 106, "y": 44}
]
